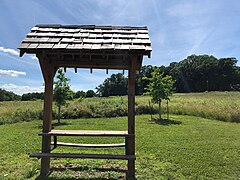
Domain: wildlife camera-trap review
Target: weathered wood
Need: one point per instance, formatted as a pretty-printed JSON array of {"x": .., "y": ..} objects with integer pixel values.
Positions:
[
  {"x": 48, "y": 71},
  {"x": 131, "y": 117},
  {"x": 89, "y": 145},
  {"x": 84, "y": 133},
  {"x": 55, "y": 142},
  {"x": 100, "y": 47},
  {"x": 83, "y": 156}
]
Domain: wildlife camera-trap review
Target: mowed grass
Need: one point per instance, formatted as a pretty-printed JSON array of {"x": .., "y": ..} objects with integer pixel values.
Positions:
[
  {"x": 185, "y": 147},
  {"x": 224, "y": 106}
]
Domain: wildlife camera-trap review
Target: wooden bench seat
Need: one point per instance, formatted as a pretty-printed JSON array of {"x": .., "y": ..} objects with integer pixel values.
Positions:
[
  {"x": 89, "y": 145},
  {"x": 84, "y": 156},
  {"x": 85, "y": 133}
]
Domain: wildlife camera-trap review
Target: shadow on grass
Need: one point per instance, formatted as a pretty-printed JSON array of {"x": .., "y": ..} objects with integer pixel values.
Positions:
[
  {"x": 55, "y": 125},
  {"x": 60, "y": 124},
  {"x": 86, "y": 170},
  {"x": 165, "y": 122}
]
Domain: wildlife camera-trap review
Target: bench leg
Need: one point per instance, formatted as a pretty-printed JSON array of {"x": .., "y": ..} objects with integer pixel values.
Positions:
[
  {"x": 45, "y": 161},
  {"x": 55, "y": 142},
  {"x": 131, "y": 163}
]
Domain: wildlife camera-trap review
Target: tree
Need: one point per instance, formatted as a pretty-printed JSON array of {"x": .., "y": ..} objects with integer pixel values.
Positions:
[
  {"x": 79, "y": 94},
  {"x": 159, "y": 88},
  {"x": 199, "y": 73},
  {"x": 90, "y": 93},
  {"x": 32, "y": 96},
  {"x": 8, "y": 96},
  {"x": 61, "y": 91},
  {"x": 142, "y": 79},
  {"x": 116, "y": 85}
]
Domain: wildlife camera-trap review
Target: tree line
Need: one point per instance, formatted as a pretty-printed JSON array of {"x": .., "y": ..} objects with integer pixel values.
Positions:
[{"x": 196, "y": 73}]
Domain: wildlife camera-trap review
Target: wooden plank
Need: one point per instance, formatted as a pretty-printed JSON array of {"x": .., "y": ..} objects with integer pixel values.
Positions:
[
  {"x": 142, "y": 36},
  {"x": 23, "y": 45},
  {"x": 84, "y": 133},
  {"x": 87, "y": 46},
  {"x": 64, "y": 35},
  {"x": 60, "y": 46},
  {"x": 43, "y": 39},
  {"x": 32, "y": 34},
  {"x": 131, "y": 116},
  {"x": 141, "y": 41},
  {"x": 31, "y": 39},
  {"x": 54, "y": 40},
  {"x": 138, "y": 47},
  {"x": 107, "y": 46},
  {"x": 67, "y": 40},
  {"x": 45, "y": 34},
  {"x": 125, "y": 46},
  {"x": 48, "y": 71},
  {"x": 90, "y": 145},
  {"x": 83, "y": 156},
  {"x": 45, "y": 46},
  {"x": 33, "y": 46},
  {"x": 96, "y": 46}
]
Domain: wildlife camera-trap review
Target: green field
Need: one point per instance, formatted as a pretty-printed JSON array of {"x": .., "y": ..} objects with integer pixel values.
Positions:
[
  {"x": 184, "y": 147},
  {"x": 224, "y": 106}
]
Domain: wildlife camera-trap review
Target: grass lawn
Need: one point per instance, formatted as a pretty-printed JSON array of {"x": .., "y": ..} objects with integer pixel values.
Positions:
[{"x": 185, "y": 148}]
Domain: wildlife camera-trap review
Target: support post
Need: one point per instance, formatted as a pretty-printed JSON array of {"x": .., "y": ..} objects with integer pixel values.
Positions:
[
  {"x": 48, "y": 71},
  {"x": 131, "y": 117}
]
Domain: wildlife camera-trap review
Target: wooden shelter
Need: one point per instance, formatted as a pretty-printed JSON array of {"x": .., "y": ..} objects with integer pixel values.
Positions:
[{"x": 84, "y": 46}]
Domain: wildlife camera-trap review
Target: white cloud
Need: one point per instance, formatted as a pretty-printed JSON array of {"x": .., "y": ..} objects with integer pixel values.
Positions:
[
  {"x": 21, "y": 89},
  {"x": 11, "y": 73},
  {"x": 9, "y": 51}
]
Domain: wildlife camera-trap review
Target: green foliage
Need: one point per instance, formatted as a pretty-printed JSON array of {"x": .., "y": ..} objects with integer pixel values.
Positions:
[
  {"x": 8, "y": 96},
  {"x": 61, "y": 88},
  {"x": 199, "y": 73},
  {"x": 223, "y": 106},
  {"x": 32, "y": 96},
  {"x": 116, "y": 85},
  {"x": 142, "y": 79},
  {"x": 90, "y": 93},
  {"x": 61, "y": 91},
  {"x": 79, "y": 94},
  {"x": 159, "y": 87}
]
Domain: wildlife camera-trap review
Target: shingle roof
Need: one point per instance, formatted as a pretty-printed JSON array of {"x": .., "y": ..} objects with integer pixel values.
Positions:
[{"x": 87, "y": 37}]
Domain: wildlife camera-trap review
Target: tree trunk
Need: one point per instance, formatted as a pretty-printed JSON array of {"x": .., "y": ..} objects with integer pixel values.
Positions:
[
  {"x": 160, "y": 109},
  {"x": 59, "y": 110},
  {"x": 150, "y": 108},
  {"x": 167, "y": 111}
]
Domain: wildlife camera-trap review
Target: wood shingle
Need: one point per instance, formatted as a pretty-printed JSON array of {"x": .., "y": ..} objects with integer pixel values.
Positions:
[{"x": 84, "y": 37}]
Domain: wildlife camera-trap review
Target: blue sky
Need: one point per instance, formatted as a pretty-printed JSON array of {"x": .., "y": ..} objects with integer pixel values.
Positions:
[{"x": 177, "y": 29}]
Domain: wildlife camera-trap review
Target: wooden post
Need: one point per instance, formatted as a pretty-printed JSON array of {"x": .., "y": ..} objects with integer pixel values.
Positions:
[
  {"x": 131, "y": 117},
  {"x": 48, "y": 71}
]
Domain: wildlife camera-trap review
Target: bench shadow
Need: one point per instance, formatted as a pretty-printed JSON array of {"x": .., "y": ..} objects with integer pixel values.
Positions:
[
  {"x": 60, "y": 124},
  {"x": 85, "y": 169},
  {"x": 165, "y": 122},
  {"x": 55, "y": 125}
]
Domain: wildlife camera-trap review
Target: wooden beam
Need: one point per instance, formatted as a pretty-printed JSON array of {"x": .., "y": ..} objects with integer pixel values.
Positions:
[
  {"x": 85, "y": 133},
  {"x": 48, "y": 71},
  {"x": 130, "y": 149},
  {"x": 89, "y": 145},
  {"x": 83, "y": 156}
]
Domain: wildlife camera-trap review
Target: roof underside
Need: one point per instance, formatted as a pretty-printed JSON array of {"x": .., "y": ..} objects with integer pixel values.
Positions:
[{"x": 88, "y": 43}]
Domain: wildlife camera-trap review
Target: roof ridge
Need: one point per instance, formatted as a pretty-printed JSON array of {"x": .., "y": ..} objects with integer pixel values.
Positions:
[{"x": 91, "y": 26}]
